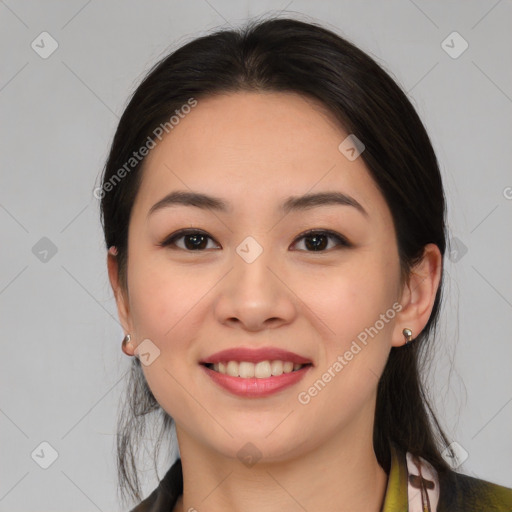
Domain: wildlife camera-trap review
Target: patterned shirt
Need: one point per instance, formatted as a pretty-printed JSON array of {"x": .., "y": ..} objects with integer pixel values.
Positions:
[{"x": 413, "y": 486}]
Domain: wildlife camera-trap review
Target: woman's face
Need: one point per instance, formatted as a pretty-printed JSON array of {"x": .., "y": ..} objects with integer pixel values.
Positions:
[{"x": 250, "y": 279}]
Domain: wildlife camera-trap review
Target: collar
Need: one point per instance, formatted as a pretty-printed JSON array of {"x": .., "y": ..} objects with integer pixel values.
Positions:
[{"x": 413, "y": 484}]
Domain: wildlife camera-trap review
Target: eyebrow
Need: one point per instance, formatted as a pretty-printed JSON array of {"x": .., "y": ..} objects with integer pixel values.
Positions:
[{"x": 293, "y": 203}]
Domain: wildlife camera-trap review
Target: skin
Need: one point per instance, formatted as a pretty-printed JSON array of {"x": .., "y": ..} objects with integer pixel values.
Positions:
[{"x": 254, "y": 150}]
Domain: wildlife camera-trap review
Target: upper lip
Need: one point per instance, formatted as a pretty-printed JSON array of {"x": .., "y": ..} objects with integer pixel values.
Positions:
[{"x": 254, "y": 355}]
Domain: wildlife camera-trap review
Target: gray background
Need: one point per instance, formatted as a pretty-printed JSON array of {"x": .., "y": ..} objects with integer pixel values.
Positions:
[{"x": 62, "y": 368}]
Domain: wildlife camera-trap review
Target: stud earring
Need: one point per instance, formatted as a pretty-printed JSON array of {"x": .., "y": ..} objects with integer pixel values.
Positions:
[
  {"x": 407, "y": 335},
  {"x": 126, "y": 340}
]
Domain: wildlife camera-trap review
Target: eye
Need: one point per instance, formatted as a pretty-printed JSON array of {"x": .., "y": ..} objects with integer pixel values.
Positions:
[
  {"x": 197, "y": 240},
  {"x": 319, "y": 239},
  {"x": 194, "y": 240}
]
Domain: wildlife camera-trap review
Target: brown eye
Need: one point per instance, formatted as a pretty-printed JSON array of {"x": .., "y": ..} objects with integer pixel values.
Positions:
[
  {"x": 196, "y": 240},
  {"x": 193, "y": 240},
  {"x": 318, "y": 241}
]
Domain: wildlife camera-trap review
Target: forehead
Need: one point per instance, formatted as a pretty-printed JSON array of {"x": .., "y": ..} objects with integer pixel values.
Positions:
[
  {"x": 244, "y": 125},
  {"x": 255, "y": 147}
]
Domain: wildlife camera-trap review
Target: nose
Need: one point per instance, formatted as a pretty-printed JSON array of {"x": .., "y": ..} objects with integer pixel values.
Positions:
[{"x": 254, "y": 295}]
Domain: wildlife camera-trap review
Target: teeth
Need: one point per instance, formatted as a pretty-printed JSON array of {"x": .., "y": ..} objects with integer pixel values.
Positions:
[
  {"x": 261, "y": 370},
  {"x": 288, "y": 367},
  {"x": 246, "y": 370},
  {"x": 232, "y": 369},
  {"x": 276, "y": 367}
]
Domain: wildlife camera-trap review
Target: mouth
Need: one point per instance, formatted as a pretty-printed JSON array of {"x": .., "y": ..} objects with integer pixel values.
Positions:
[
  {"x": 255, "y": 370},
  {"x": 255, "y": 373}
]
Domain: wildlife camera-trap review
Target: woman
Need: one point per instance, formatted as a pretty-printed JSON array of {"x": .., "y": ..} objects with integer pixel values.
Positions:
[{"x": 275, "y": 219}]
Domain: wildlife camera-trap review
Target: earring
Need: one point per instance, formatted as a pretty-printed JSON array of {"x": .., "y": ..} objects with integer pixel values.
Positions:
[
  {"x": 126, "y": 340},
  {"x": 407, "y": 335}
]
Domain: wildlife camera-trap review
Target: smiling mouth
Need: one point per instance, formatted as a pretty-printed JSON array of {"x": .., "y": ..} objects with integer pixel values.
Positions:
[{"x": 260, "y": 370}]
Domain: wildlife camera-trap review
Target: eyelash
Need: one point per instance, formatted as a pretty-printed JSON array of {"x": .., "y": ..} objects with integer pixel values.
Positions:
[{"x": 171, "y": 240}]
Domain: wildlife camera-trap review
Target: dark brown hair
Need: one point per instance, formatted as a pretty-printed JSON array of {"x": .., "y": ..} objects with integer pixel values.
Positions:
[{"x": 305, "y": 58}]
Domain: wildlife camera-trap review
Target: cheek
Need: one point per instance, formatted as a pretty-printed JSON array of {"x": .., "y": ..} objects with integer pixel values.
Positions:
[
  {"x": 154, "y": 304},
  {"x": 356, "y": 304},
  {"x": 358, "y": 310},
  {"x": 166, "y": 300},
  {"x": 165, "y": 305},
  {"x": 352, "y": 297}
]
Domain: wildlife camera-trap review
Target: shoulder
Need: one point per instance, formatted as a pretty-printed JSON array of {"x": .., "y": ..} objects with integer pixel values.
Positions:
[
  {"x": 165, "y": 496},
  {"x": 449, "y": 491},
  {"x": 470, "y": 494}
]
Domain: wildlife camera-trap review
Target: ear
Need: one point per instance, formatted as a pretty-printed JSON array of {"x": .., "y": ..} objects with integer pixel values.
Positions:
[
  {"x": 418, "y": 295},
  {"x": 119, "y": 294}
]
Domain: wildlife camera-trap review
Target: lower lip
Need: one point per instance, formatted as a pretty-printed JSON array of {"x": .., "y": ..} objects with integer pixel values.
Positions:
[{"x": 256, "y": 387}]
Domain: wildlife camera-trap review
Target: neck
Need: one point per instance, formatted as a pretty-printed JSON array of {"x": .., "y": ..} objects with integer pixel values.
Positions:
[{"x": 342, "y": 475}]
